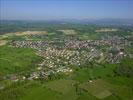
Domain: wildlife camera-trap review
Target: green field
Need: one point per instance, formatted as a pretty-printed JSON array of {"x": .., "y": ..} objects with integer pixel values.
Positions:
[
  {"x": 17, "y": 60},
  {"x": 97, "y": 88}
]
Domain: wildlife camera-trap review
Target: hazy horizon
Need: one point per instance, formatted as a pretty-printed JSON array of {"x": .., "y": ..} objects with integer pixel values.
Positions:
[{"x": 65, "y": 9}]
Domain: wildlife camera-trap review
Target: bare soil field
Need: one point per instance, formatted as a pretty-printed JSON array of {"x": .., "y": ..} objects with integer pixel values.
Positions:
[
  {"x": 25, "y": 33},
  {"x": 106, "y": 30},
  {"x": 2, "y": 42},
  {"x": 68, "y": 32}
]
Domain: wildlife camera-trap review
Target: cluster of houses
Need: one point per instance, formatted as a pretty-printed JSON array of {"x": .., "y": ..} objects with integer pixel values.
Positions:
[
  {"x": 58, "y": 55},
  {"x": 75, "y": 52},
  {"x": 60, "y": 58},
  {"x": 40, "y": 73}
]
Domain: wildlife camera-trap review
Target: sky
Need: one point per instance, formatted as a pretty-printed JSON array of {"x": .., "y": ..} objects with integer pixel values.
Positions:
[{"x": 65, "y": 9}]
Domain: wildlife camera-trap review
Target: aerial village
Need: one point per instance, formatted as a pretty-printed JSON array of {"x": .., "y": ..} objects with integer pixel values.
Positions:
[{"x": 59, "y": 55}]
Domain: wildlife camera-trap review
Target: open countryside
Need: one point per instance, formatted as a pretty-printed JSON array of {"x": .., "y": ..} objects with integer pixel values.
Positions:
[{"x": 65, "y": 59}]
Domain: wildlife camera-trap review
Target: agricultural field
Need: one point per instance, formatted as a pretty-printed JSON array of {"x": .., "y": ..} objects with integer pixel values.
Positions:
[
  {"x": 71, "y": 88},
  {"x": 106, "y": 30},
  {"x": 17, "y": 60},
  {"x": 3, "y": 42},
  {"x": 68, "y": 32}
]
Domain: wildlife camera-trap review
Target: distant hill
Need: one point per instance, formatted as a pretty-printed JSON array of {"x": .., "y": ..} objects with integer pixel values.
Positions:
[
  {"x": 7, "y": 26},
  {"x": 63, "y": 21},
  {"x": 102, "y": 21},
  {"x": 113, "y": 22}
]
